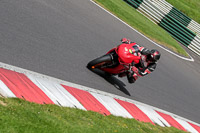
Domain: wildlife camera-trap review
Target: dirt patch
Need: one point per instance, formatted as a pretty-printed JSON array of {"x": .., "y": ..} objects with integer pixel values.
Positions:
[{"x": 2, "y": 103}]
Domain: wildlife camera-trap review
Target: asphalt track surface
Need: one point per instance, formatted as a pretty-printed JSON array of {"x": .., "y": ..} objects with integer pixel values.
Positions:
[{"x": 58, "y": 39}]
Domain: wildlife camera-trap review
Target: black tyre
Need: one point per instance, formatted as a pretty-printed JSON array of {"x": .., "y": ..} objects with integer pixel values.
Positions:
[{"x": 100, "y": 62}]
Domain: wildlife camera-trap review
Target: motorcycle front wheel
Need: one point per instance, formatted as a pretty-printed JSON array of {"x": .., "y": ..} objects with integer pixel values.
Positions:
[{"x": 100, "y": 62}]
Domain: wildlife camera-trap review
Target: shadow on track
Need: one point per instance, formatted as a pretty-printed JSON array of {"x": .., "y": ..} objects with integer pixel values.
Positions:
[{"x": 112, "y": 80}]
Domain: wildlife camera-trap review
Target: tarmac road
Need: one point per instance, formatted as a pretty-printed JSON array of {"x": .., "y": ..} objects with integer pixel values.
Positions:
[{"x": 58, "y": 39}]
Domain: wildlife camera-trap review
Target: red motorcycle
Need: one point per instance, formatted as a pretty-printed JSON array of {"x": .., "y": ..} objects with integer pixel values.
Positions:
[{"x": 117, "y": 61}]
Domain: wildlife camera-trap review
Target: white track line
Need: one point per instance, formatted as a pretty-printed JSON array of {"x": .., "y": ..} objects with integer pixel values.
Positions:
[{"x": 191, "y": 59}]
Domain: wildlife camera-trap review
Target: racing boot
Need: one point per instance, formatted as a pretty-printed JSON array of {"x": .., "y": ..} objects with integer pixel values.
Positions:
[{"x": 130, "y": 77}]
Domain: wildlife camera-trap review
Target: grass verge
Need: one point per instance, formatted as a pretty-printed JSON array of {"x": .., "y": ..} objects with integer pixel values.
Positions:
[
  {"x": 19, "y": 116},
  {"x": 130, "y": 15},
  {"x": 188, "y": 7}
]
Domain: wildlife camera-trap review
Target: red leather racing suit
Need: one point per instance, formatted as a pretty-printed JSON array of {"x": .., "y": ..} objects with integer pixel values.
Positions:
[{"x": 133, "y": 53}]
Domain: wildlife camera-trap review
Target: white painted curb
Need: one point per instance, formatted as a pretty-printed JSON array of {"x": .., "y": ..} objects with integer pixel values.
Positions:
[{"x": 103, "y": 97}]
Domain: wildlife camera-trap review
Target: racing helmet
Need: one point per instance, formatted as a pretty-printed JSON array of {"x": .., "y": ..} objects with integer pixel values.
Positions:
[{"x": 155, "y": 55}]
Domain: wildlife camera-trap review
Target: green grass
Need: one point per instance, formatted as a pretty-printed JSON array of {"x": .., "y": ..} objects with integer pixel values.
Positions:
[
  {"x": 189, "y": 7},
  {"x": 19, "y": 116},
  {"x": 128, "y": 14}
]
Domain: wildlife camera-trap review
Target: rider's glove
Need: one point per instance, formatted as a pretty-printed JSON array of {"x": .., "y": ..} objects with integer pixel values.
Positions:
[{"x": 125, "y": 40}]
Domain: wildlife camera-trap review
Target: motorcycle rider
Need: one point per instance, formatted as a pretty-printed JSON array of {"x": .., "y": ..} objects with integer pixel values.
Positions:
[{"x": 146, "y": 64}]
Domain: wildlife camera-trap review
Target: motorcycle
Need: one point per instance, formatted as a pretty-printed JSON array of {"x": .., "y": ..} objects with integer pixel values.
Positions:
[{"x": 118, "y": 60}]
